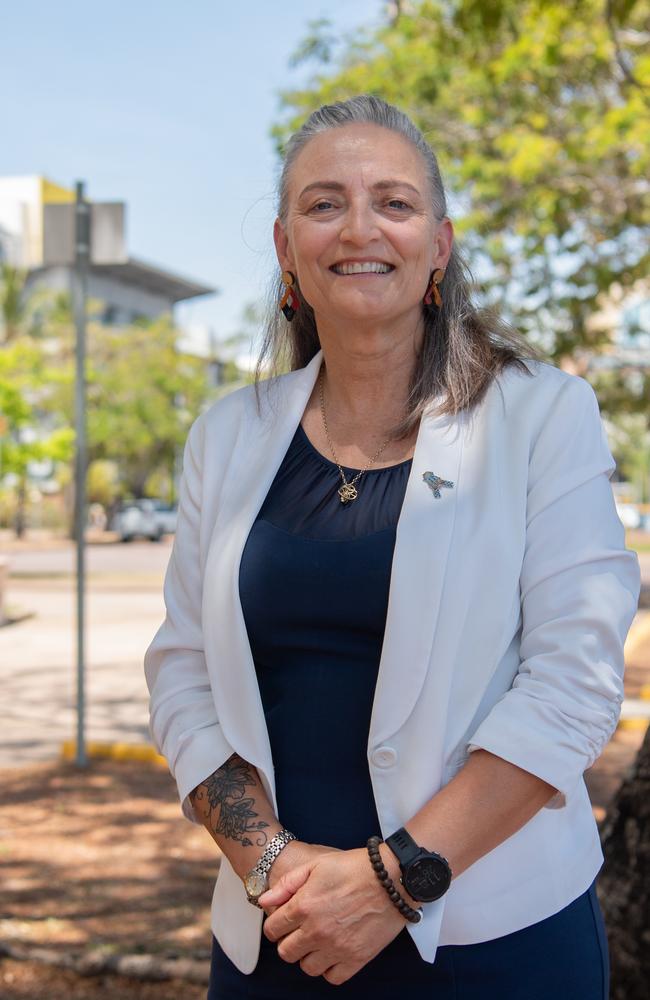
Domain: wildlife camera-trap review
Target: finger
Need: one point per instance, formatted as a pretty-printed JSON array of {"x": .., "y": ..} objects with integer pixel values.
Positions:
[
  {"x": 284, "y": 920},
  {"x": 286, "y": 886},
  {"x": 294, "y": 947},
  {"x": 315, "y": 963},
  {"x": 338, "y": 974}
]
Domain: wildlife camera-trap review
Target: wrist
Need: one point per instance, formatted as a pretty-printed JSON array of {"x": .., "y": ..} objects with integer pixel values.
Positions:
[
  {"x": 391, "y": 864},
  {"x": 410, "y": 913},
  {"x": 425, "y": 874},
  {"x": 244, "y": 859},
  {"x": 257, "y": 880},
  {"x": 291, "y": 856}
]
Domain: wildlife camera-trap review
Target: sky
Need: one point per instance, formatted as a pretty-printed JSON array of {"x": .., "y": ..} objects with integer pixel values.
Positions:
[{"x": 165, "y": 106}]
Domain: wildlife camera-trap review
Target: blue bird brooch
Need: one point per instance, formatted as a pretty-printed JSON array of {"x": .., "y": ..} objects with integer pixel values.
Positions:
[{"x": 435, "y": 482}]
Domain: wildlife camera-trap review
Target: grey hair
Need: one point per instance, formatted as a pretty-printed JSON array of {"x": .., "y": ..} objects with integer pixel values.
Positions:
[
  {"x": 363, "y": 110},
  {"x": 464, "y": 346}
]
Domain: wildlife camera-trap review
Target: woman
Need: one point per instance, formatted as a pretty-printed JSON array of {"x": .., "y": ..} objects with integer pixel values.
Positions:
[{"x": 396, "y": 606}]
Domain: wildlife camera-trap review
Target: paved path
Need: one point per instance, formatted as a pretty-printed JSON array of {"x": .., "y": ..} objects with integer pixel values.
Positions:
[
  {"x": 139, "y": 557},
  {"x": 124, "y": 609},
  {"x": 38, "y": 664}
]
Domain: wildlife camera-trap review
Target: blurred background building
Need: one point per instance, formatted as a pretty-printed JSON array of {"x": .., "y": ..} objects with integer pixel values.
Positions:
[{"x": 36, "y": 233}]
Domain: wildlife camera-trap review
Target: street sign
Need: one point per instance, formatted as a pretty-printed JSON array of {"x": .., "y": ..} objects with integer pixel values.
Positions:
[{"x": 107, "y": 233}]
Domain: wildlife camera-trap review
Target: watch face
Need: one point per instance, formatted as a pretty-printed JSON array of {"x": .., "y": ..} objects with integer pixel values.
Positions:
[
  {"x": 256, "y": 883},
  {"x": 427, "y": 879}
]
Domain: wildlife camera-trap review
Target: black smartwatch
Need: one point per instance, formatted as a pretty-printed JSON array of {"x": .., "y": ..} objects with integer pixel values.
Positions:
[{"x": 425, "y": 875}]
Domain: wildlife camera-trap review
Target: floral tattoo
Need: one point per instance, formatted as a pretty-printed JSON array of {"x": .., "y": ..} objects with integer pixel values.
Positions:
[{"x": 225, "y": 791}]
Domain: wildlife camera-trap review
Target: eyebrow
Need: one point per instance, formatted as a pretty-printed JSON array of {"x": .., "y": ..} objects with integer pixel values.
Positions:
[{"x": 337, "y": 186}]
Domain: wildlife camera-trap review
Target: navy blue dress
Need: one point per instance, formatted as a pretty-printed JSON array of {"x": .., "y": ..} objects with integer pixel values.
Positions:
[{"x": 314, "y": 580}]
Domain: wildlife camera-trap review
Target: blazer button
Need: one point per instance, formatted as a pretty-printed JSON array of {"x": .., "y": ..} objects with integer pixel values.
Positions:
[{"x": 384, "y": 757}]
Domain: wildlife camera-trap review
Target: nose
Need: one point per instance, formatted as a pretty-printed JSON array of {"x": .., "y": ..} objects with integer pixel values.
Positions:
[{"x": 359, "y": 224}]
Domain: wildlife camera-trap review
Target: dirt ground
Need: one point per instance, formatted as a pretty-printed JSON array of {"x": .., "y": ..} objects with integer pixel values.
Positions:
[
  {"x": 33, "y": 981},
  {"x": 99, "y": 863}
]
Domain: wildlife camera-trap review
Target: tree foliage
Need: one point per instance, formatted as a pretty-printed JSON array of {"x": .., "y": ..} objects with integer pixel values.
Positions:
[
  {"x": 24, "y": 438},
  {"x": 539, "y": 113},
  {"x": 23, "y": 387},
  {"x": 142, "y": 392}
]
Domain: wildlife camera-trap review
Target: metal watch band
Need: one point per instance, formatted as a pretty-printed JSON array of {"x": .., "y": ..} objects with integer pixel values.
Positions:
[{"x": 271, "y": 851}]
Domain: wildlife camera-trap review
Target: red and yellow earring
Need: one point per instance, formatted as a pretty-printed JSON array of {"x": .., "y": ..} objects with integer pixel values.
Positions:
[
  {"x": 432, "y": 293},
  {"x": 289, "y": 302}
]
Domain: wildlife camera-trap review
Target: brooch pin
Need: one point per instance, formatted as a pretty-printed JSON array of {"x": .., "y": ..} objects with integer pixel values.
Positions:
[{"x": 435, "y": 482}]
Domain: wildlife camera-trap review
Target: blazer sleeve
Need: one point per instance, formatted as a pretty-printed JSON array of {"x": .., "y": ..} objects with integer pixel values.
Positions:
[
  {"x": 183, "y": 719},
  {"x": 579, "y": 590}
]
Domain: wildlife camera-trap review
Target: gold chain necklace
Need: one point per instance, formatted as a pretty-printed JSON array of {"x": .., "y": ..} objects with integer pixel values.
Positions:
[{"x": 348, "y": 491}]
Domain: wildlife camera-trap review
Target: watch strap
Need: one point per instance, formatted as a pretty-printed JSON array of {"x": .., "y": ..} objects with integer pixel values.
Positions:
[
  {"x": 256, "y": 882},
  {"x": 403, "y": 846},
  {"x": 271, "y": 851}
]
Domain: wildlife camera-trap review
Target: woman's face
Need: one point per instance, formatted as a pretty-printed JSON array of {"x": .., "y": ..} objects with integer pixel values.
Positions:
[{"x": 360, "y": 232}]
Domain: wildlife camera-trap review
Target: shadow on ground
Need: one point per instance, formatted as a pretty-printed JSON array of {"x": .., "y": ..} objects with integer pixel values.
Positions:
[{"x": 102, "y": 859}]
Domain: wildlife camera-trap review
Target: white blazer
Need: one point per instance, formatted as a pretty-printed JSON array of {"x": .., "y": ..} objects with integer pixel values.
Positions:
[{"x": 510, "y": 599}]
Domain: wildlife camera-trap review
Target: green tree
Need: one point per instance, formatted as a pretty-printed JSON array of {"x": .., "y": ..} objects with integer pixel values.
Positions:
[
  {"x": 12, "y": 311},
  {"x": 24, "y": 436},
  {"x": 102, "y": 482},
  {"x": 143, "y": 394},
  {"x": 539, "y": 113},
  {"x": 630, "y": 438},
  {"x": 142, "y": 391}
]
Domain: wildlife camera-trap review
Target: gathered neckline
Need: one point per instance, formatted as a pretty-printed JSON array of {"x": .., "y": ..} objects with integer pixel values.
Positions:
[{"x": 347, "y": 468}]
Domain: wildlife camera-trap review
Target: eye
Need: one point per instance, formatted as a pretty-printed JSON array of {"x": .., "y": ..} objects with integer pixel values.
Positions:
[
  {"x": 398, "y": 203},
  {"x": 322, "y": 206}
]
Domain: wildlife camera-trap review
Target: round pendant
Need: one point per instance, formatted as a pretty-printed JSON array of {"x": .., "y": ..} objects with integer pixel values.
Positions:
[{"x": 347, "y": 492}]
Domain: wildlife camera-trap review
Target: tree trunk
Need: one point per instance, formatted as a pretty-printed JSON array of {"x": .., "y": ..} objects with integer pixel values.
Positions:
[
  {"x": 20, "y": 517},
  {"x": 624, "y": 882}
]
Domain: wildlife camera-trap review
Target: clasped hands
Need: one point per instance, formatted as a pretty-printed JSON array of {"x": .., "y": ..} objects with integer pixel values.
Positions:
[{"x": 328, "y": 911}]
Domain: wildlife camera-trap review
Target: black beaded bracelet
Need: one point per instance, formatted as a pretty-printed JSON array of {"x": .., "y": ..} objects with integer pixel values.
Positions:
[{"x": 413, "y": 916}]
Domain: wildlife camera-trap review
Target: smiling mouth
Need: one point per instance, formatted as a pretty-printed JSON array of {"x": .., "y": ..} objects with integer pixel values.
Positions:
[{"x": 362, "y": 267}]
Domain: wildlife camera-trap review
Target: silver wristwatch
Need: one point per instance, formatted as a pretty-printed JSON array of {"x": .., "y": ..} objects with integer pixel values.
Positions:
[{"x": 257, "y": 880}]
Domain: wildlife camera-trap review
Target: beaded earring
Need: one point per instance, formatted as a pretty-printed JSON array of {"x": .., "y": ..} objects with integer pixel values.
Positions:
[
  {"x": 432, "y": 293},
  {"x": 289, "y": 302}
]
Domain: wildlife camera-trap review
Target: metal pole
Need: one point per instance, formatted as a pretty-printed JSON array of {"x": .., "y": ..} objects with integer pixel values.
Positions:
[{"x": 79, "y": 293}]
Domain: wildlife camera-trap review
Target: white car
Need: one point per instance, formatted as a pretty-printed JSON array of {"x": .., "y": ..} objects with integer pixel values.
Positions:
[{"x": 145, "y": 518}]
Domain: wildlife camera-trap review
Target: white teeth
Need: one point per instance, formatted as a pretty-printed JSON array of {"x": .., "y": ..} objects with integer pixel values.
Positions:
[{"x": 362, "y": 267}]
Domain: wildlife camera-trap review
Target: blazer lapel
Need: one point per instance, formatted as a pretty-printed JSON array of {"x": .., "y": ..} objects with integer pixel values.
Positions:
[
  {"x": 423, "y": 538},
  {"x": 422, "y": 546},
  {"x": 260, "y": 448}
]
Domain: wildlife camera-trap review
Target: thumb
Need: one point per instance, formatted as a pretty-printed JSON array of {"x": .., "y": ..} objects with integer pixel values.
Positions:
[{"x": 286, "y": 886}]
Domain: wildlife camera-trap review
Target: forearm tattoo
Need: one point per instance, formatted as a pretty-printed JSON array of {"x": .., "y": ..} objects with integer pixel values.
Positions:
[{"x": 221, "y": 800}]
